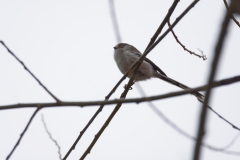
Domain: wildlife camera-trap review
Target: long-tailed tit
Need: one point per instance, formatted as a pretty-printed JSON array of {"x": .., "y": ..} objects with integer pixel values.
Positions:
[{"x": 126, "y": 55}]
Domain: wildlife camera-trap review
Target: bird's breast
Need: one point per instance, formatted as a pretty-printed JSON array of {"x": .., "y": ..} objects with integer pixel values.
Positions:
[{"x": 121, "y": 61}]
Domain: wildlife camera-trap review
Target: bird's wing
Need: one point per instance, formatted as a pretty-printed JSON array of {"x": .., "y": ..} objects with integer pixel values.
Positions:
[
  {"x": 154, "y": 66},
  {"x": 164, "y": 77}
]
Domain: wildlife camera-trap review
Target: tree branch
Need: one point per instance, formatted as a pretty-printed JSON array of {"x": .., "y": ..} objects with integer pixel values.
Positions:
[
  {"x": 201, "y": 129},
  {"x": 93, "y": 117},
  {"x": 25, "y": 67},
  {"x": 215, "y": 84},
  {"x": 184, "y": 47},
  {"x": 22, "y": 134},
  {"x": 159, "y": 30},
  {"x": 233, "y": 18},
  {"x": 123, "y": 95}
]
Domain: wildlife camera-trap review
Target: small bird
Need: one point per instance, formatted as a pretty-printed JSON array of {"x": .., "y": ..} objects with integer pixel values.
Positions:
[{"x": 126, "y": 55}]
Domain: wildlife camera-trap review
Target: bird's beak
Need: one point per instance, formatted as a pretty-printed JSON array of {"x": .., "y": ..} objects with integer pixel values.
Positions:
[{"x": 115, "y": 47}]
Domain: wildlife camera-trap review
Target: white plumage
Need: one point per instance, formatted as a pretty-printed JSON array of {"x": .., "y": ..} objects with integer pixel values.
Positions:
[{"x": 126, "y": 55}]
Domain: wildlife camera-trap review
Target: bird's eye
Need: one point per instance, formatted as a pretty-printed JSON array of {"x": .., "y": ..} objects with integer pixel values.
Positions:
[{"x": 116, "y": 47}]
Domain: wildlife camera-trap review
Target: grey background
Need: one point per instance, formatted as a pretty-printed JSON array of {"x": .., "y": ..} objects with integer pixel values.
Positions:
[{"x": 68, "y": 45}]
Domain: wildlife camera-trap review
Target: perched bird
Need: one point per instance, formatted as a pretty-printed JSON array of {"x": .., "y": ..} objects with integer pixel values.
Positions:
[{"x": 126, "y": 55}]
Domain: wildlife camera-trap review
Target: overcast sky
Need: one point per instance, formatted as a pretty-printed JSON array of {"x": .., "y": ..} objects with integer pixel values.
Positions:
[{"x": 68, "y": 45}]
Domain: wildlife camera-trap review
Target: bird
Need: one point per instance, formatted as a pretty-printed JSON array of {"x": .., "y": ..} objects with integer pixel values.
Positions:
[{"x": 125, "y": 55}]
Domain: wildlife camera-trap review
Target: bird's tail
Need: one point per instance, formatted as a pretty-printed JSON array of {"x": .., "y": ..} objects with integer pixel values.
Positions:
[{"x": 199, "y": 96}]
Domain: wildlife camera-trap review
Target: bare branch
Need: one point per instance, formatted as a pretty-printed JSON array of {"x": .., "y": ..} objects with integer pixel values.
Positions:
[
  {"x": 93, "y": 117},
  {"x": 25, "y": 67},
  {"x": 233, "y": 18},
  {"x": 133, "y": 100},
  {"x": 159, "y": 30},
  {"x": 219, "y": 83},
  {"x": 185, "y": 134},
  {"x": 201, "y": 129},
  {"x": 123, "y": 95},
  {"x": 184, "y": 47},
  {"x": 84, "y": 129},
  {"x": 50, "y": 136},
  {"x": 22, "y": 134}
]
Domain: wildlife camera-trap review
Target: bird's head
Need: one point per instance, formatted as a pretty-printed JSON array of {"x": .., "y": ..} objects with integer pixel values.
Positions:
[{"x": 122, "y": 46}]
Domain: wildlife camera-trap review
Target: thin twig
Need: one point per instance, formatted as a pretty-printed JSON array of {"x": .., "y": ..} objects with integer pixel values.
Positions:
[
  {"x": 83, "y": 131},
  {"x": 233, "y": 18},
  {"x": 185, "y": 134},
  {"x": 93, "y": 117},
  {"x": 184, "y": 47},
  {"x": 22, "y": 134},
  {"x": 25, "y": 67},
  {"x": 50, "y": 136},
  {"x": 159, "y": 30},
  {"x": 133, "y": 100},
  {"x": 201, "y": 129},
  {"x": 123, "y": 95}
]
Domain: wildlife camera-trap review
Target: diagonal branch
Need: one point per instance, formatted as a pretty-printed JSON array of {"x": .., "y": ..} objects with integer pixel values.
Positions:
[
  {"x": 233, "y": 18},
  {"x": 93, "y": 117},
  {"x": 97, "y": 136},
  {"x": 218, "y": 49},
  {"x": 25, "y": 67},
  {"x": 184, "y": 47},
  {"x": 159, "y": 30},
  {"x": 22, "y": 134}
]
